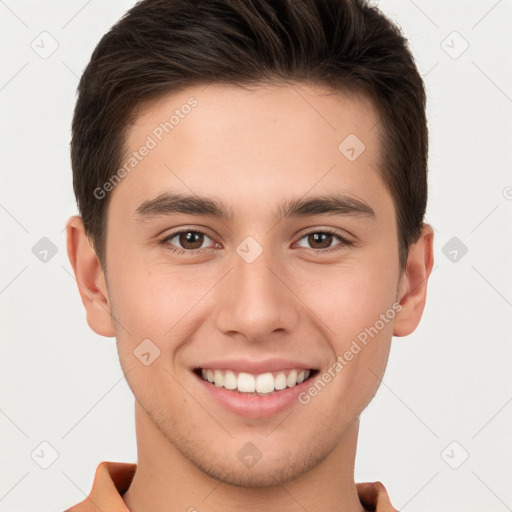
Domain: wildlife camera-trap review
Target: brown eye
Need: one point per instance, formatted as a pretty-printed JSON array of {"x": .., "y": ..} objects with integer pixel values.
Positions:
[
  {"x": 320, "y": 240},
  {"x": 323, "y": 241},
  {"x": 188, "y": 240},
  {"x": 191, "y": 239}
]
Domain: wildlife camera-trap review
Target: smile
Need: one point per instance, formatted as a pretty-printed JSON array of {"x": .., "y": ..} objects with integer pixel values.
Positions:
[{"x": 260, "y": 384}]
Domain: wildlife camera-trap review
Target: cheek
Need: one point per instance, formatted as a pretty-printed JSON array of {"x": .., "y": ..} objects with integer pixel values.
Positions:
[
  {"x": 356, "y": 312},
  {"x": 355, "y": 305},
  {"x": 151, "y": 307},
  {"x": 151, "y": 302},
  {"x": 349, "y": 299}
]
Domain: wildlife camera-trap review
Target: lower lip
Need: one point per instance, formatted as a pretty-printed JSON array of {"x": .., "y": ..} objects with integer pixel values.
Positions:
[{"x": 254, "y": 406}]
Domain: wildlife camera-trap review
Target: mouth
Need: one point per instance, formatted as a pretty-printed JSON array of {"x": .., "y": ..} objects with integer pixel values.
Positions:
[{"x": 263, "y": 384}]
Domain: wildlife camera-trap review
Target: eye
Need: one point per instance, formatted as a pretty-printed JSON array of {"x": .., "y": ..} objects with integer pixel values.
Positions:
[
  {"x": 189, "y": 240},
  {"x": 321, "y": 240}
]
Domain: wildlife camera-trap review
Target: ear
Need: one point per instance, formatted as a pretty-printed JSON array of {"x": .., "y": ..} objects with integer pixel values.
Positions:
[
  {"x": 413, "y": 283},
  {"x": 89, "y": 277}
]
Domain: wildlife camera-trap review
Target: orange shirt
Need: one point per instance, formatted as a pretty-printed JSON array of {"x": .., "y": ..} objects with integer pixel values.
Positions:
[{"x": 112, "y": 479}]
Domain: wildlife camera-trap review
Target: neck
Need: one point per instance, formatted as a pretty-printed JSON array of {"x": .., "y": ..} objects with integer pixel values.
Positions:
[{"x": 166, "y": 480}]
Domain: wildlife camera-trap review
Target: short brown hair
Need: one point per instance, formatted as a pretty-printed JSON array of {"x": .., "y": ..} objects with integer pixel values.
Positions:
[{"x": 162, "y": 46}]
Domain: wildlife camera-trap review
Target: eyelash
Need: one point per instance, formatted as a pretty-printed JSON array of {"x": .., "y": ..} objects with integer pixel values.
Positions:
[{"x": 192, "y": 252}]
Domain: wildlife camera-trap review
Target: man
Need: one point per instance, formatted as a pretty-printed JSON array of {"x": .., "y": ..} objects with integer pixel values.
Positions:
[{"x": 251, "y": 178}]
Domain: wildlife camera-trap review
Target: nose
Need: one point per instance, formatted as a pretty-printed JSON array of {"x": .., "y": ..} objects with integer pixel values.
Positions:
[{"x": 255, "y": 299}]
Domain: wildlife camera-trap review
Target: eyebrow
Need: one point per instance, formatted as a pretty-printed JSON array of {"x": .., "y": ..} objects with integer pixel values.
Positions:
[{"x": 169, "y": 204}]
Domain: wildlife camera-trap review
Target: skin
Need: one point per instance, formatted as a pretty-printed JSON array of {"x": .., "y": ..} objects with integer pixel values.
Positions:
[{"x": 250, "y": 149}]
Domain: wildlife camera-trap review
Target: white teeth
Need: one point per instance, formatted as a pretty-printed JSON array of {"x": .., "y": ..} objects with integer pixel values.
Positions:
[
  {"x": 280, "y": 381},
  {"x": 264, "y": 383},
  {"x": 230, "y": 380},
  {"x": 246, "y": 383},
  {"x": 218, "y": 378},
  {"x": 291, "y": 380}
]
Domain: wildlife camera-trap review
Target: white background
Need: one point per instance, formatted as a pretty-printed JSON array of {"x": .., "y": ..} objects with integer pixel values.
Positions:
[{"x": 449, "y": 381}]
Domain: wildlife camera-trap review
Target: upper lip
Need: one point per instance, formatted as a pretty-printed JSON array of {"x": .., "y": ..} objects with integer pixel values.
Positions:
[{"x": 255, "y": 367}]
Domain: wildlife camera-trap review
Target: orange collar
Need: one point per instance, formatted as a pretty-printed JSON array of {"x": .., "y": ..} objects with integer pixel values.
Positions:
[{"x": 112, "y": 479}]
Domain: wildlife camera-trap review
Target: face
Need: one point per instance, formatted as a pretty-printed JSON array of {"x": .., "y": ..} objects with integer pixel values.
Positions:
[{"x": 278, "y": 283}]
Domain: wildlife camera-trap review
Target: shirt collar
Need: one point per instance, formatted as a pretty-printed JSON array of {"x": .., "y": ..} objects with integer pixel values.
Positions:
[{"x": 112, "y": 480}]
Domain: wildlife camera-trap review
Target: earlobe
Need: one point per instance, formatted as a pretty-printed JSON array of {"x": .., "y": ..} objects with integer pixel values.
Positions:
[
  {"x": 89, "y": 277},
  {"x": 413, "y": 285}
]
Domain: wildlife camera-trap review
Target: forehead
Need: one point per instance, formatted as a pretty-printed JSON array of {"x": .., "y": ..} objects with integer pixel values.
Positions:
[
  {"x": 303, "y": 109},
  {"x": 267, "y": 141}
]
